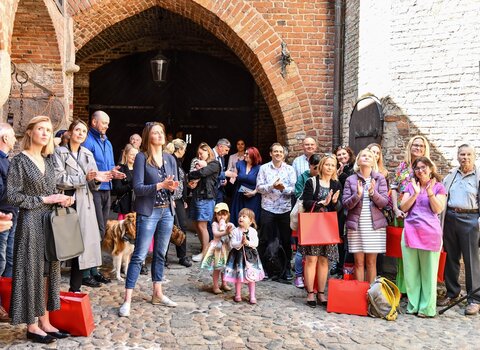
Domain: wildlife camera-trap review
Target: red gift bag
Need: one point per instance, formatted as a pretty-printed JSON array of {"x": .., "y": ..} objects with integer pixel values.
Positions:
[
  {"x": 75, "y": 315},
  {"x": 347, "y": 297},
  {"x": 318, "y": 228},
  {"x": 394, "y": 237},
  {"x": 6, "y": 292},
  {"x": 441, "y": 266}
]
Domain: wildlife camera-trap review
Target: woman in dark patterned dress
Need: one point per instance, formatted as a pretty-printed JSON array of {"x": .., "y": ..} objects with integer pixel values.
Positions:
[
  {"x": 31, "y": 187},
  {"x": 323, "y": 198}
]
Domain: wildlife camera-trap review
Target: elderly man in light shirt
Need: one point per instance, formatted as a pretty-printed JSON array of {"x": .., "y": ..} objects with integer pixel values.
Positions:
[
  {"x": 461, "y": 229},
  {"x": 276, "y": 183},
  {"x": 300, "y": 164}
]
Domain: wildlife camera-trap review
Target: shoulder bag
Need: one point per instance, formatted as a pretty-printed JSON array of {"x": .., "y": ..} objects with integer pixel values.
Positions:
[{"x": 63, "y": 238}]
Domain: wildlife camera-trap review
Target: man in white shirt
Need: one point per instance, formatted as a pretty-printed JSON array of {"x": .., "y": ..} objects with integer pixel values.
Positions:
[
  {"x": 300, "y": 164},
  {"x": 276, "y": 183}
]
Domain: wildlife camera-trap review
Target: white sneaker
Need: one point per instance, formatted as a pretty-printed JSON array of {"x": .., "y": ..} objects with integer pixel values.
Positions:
[
  {"x": 124, "y": 310},
  {"x": 198, "y": 257}
]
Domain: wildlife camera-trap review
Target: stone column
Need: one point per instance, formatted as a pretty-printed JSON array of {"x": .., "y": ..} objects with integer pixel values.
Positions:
[{"x": 5, "y": 77}]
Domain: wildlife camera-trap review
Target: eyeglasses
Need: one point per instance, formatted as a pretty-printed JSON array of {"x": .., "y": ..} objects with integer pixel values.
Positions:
[
  {"x": 416, "y": 145},
  {"x": 420, "y": 168}
]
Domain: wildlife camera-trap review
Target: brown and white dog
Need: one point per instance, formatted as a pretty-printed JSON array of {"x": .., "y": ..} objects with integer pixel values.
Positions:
[{"x": 119, "y": 241}]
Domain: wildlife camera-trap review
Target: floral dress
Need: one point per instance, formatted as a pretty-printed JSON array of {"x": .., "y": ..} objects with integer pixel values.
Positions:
[
  {"x": 329, "y": 251},
  {"x": 217, "y": 253},
  {"x": 403, "y": 175},
  {"x": 235, "y": 271}
]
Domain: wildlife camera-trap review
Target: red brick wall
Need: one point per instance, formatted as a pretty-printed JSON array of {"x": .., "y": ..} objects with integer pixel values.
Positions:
[{"x": 300, "y": 104}]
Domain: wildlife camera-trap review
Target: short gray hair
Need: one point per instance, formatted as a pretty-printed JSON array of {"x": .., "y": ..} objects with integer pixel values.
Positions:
[
  {"x": 4, "y": 128},
  {"x": 224, "y": 142}
]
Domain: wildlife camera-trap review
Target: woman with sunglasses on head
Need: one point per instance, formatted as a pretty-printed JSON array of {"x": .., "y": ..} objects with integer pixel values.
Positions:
[
  {"x": 203, "y": 179},
  {"x": 364, "y": 195},
  {"x": 245, "y": 191},
  {"x": 31, "y": 187},
  {"x": 417, "y": 147},
  {"x": 424, "y": 198},
  {"x": 323, "y": 196},
  {"x": 155, "y": 178}
]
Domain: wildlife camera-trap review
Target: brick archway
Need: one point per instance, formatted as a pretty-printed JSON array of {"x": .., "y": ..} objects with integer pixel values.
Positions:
[{"x": 239, "y": 26}]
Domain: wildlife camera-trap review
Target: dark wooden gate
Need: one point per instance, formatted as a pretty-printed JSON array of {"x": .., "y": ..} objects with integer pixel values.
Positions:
[{"x": 366, "y": 123}]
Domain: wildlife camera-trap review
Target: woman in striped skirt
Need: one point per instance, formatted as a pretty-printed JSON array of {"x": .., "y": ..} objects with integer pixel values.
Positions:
[{"x": 364, "y": 196}]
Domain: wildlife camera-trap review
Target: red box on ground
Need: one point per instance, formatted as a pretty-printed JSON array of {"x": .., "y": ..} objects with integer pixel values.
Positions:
[{"x": 347, "y": 297}]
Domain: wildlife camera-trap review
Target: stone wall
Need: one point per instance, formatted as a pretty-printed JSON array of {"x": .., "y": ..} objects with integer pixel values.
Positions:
[{"x": 421, "y": 59}]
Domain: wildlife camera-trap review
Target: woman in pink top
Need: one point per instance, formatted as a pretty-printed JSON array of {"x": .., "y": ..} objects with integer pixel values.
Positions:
[{"x": 424, "y": 198}]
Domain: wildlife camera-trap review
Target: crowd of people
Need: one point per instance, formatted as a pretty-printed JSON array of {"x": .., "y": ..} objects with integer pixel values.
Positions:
[{"x": 239, "y": 211}]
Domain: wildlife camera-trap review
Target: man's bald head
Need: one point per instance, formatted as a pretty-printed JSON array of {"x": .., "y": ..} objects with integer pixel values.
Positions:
[
  {"x": 309, "y": 146},
  {"x": 100, "y": 122}
]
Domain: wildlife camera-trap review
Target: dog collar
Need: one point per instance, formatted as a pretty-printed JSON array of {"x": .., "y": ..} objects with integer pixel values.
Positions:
[{"x": 128, "y": 239}]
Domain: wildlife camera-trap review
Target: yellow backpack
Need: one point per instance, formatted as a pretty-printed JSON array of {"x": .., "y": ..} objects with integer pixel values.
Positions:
[{"x": 383, "y": 299}]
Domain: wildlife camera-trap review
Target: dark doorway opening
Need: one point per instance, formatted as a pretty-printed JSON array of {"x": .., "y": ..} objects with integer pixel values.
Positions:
[{"x": 204, "y": 96}]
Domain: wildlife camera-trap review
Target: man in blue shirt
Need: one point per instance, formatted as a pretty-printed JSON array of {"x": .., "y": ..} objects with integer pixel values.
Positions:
[
  {"x": 98, "y": 143},
  {"x": 7, "y": 237}
]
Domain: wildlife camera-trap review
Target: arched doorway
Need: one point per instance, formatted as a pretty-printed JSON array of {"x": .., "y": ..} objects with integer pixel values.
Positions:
[{"x": 254, "y": 43}]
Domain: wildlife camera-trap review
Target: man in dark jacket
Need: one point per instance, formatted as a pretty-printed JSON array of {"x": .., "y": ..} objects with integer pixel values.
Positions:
[{"x": 7, "y": 142}]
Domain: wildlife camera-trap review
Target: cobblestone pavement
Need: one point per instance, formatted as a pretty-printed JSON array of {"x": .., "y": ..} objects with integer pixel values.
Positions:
[{"x": 280, "y": 320}]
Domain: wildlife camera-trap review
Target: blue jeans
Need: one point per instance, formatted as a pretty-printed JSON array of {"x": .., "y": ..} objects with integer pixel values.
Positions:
[
  {"x": 159, "y": 226},
  {"x": 7, "y": 239},
  {"x": 298, "y": 261}
]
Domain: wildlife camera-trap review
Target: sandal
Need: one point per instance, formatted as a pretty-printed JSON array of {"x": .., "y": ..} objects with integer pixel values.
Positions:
[
  {"x": 321, "y": 302},
  {"x": 217, "y": 290},
  {"x": 226, "y": 287},
  {"x": 311, "y": 303}
]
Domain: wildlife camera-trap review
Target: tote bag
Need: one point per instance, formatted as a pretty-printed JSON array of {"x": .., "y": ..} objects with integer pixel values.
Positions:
[
  {"x": 318, "y": 228},
  {"x": 63, "y": 238}
]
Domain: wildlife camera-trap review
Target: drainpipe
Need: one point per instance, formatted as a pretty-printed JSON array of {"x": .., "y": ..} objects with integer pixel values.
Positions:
[{"x": 338, "y": 71}]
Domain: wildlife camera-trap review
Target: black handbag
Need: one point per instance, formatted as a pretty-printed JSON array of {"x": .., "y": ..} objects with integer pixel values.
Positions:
[
  {"x": 115, "y": 206},
  {"x": 63, "y": 238}
]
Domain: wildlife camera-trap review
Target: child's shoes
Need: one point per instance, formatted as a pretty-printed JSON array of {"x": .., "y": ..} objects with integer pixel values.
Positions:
[
  {"x": 216, "y": 290},
  {"x": 253, "y": 300},
  {"x": 237, "y": 298},
  {"x": 226, "y": 287}
]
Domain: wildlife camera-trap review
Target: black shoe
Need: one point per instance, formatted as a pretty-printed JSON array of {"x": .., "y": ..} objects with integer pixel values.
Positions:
[
  {"x": 102, "y": 279},
  {"x": 74, "y": 290},
  {"x": 185, "y": 261},
  {"x": 144, "y": 270},
  {"x": 90, "y": 282},
  {"x": 58, "y": 334},
  {"x": 288, "y": 275},
  {"x": 37, "y": 338}
]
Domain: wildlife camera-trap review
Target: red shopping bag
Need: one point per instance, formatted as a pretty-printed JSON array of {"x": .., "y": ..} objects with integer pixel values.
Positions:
[
  {"x": 6, "y": 292},
  {"x": 318, "y": 228},
  {"x": 75, "y": 315},
  {"x": 347, "y": 297},
  {"x": 441, "y": 266},
  {"x": 394, "y": 237}
]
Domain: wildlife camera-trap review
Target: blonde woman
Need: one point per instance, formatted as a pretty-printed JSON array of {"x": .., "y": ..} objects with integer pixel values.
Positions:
[
  {"x": 378, "y": 157},
  {"x": 123, "y": 188},
  {"x": 31, "y": 187},
  {"x": 364, "y": 195},
  {"x": 325, "y": 197},
  {"x": 417, "y": 147}
]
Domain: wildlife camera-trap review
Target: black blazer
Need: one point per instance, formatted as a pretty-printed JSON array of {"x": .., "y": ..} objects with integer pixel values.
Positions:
[
  {"x": 207, "y": 186},
  {"x": 310, "y": 198},
  {"x": 145, "y": 179},
  {"x": 123, "y": 189}
]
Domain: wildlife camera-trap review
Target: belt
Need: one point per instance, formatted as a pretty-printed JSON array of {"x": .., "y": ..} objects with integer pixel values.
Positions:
[
  {"x": 162, "y": 206},
  {"x": 463, "y": 211}
]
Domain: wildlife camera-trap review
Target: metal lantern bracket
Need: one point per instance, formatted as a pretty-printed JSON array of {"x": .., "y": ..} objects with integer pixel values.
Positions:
[{"x": 285, "y": 59}]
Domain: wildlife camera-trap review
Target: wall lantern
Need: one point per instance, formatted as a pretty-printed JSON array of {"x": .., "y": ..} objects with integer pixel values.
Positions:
[{"x": 159, "y": 66}]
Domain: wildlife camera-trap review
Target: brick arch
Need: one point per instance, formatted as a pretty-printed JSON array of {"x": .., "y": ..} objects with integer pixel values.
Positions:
[{"x": 237, "y": 24}]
